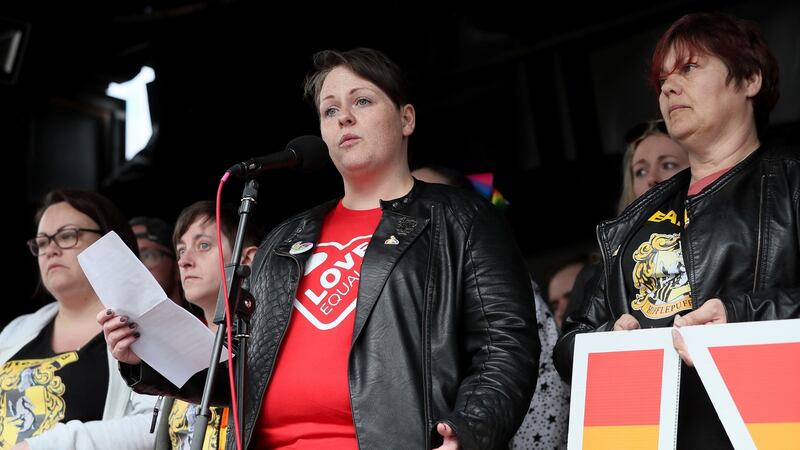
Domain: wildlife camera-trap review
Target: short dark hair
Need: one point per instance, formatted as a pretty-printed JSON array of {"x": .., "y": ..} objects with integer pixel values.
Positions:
[
  {"x": 367, "y": 63},
  {"x": 206, "y": 210},
  {"x": 737, "y": 42},
  {"x": 100, "y": 209}
]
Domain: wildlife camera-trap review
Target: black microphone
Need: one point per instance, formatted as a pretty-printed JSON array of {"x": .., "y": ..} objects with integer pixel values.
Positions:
[{"x": 309, "y": 152}]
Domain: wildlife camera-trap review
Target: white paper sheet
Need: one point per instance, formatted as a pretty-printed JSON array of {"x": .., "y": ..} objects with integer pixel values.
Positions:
[{"x": 173, "y": 341}]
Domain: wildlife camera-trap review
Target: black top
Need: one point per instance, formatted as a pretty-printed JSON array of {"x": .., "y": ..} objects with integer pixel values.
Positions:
[
  {"x": 40, "y": 387},
  {"x": 656, "y": 282}
]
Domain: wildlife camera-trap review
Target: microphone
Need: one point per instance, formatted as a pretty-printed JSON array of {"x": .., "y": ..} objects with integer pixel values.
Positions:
[{"x": 309, "y": 152}]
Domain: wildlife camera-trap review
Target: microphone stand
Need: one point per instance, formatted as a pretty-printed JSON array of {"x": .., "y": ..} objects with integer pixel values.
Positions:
[{"x": 242, "y": 308}]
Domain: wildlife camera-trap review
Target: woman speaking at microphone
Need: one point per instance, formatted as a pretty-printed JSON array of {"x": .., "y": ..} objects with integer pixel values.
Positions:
[{"x": 397, "y": 316}]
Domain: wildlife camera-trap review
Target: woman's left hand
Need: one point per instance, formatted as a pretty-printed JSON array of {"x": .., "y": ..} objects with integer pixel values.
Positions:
[
  {"x": 21, "y": 446},
  {"x": 450, "y": 438},
  {"x": 712, "y": 311}
]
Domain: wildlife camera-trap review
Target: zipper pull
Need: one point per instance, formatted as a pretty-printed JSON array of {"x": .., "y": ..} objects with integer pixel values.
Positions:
[{"x": 155, "y": 414}]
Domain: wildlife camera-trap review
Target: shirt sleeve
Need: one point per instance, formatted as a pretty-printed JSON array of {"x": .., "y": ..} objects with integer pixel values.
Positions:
[
  {"x": 130, "y": 432},
  {"x": 124, "y": 433}
]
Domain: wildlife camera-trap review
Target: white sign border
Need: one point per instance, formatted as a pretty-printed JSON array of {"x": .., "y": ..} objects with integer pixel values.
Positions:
[
  {"x": 699, "y": 338},
  {"x": 617, "y": 341}
]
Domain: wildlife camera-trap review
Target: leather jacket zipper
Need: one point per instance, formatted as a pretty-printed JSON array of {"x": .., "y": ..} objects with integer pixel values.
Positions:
[
  {"x": 249, "y": 436},
  {"x": 349, "y": 394},
  {"x": 760, "y": 226},
  {"x": 686, "y": 250},
  {"x": 426, "y": 341},
  {"x": 603, "y": 254}
]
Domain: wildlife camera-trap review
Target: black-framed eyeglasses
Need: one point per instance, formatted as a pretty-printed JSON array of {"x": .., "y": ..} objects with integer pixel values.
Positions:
[
  {"x": 64, "y": 239},
  {"x": 150, "y": 257}
]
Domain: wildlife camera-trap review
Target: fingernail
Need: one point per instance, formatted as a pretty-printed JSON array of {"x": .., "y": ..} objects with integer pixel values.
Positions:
[
  {"x": 132, "y": 325},
  {"x": 123, "y": 319},
  {"x": 136, "y": 335},
  {"x": 109, "y": 312}
]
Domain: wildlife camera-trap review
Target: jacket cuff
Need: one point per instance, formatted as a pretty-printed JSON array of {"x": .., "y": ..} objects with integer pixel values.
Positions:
[
  {"x": 730, "y": 312},
  {"x": 460, "y": 428},
  {"x": 140, "y": 374},
  {"x": 131, "y": 373}
]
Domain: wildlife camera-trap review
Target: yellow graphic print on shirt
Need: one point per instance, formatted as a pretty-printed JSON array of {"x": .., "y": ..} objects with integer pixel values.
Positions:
[
  {"x": 31, "y": 397},
  {"x": 660, "y": 276},
  {"x": 181, "y": 426}
]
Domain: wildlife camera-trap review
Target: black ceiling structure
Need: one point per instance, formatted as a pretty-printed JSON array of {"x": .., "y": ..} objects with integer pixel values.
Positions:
[{"x": 540, "y": 100}]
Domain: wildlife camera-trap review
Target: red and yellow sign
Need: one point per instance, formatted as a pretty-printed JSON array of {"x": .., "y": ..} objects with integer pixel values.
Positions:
[
  {"x": 764, "y": 382},
  {"x": 623, "y": 399}
]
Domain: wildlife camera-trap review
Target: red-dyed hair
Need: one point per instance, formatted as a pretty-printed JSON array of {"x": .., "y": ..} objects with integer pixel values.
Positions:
[{"x": 737, "y": 42}]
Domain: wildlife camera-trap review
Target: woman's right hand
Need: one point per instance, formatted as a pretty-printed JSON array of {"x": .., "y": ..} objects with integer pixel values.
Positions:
[
  {"x": 626, "y": 322},
  {"x": 120, "y": 333}
]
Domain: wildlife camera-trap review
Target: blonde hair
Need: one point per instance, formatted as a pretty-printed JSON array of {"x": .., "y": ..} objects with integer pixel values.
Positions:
[{"x": 635, "y": 135}]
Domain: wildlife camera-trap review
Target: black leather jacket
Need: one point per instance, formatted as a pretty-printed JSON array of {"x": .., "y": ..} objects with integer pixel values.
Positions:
[
  {"x": 444, "y": 328},
  {"x": 742, "y": 246}
]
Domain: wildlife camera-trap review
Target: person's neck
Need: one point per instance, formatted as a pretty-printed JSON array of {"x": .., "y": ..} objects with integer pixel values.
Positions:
[
  {"x": 76, "y": 322},
  {"x": 366, "y": 192},
  {"x": 209, "y": 307},
  {"x": 79, "y": 307},
  {"x": 209, "y": 315},
  {"x": 723, "y": 152}
]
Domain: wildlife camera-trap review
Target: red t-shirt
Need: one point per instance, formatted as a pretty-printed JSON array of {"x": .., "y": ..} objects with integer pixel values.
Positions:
[
  {"x": 307, "y": 404},
  {"x": 701, "y": 184}
]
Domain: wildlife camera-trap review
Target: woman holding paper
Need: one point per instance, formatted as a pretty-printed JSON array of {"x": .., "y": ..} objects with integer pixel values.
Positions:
[
  {"x": 59, "y": 386},
  {"x": 195, "y": 245},
  {"x": 719, "y": 242}
]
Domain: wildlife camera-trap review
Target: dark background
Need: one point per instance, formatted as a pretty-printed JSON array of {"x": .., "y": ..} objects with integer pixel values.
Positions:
[{"x": 541, "y": 100}]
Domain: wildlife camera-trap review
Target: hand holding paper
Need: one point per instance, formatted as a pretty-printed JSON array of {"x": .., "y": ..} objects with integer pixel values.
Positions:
[
  {"x": 626, "y": 322},
  {"x": 172, "y": 341},
  {"x": 120, "y": 334},
  {"x": 710, "y": 312}
]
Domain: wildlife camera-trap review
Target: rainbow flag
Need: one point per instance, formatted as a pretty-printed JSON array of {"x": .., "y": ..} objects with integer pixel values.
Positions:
[
  {"x": 623, "y": 399},
  {"x": 484, "y": 184},
  {"x": 764, "y": 382}
]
